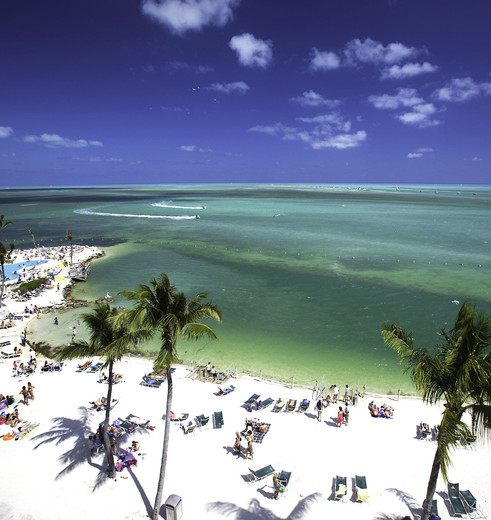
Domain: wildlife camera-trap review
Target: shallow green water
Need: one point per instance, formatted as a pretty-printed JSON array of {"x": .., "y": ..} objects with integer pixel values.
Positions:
[{"x": 302, "y": 293}]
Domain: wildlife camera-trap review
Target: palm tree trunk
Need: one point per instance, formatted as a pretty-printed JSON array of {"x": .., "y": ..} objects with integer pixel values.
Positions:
[
  {"x": 435, "y": 470},
  {"x": 111, "y": 469},
  {"x": 165, "y": 448}
]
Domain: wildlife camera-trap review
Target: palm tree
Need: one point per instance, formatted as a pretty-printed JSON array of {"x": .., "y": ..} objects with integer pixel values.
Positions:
[
  {"x": 458, "y": 372},
  {"x": 31, "y": 232},
  {"x": 110, "y": 340},
  {"x": 160, "y": 308},
  {"x": 4, "y": 255},
  {"x": 70, "y": 239}
]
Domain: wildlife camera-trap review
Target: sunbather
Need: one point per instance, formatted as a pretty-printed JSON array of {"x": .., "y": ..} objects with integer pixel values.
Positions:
[{"x": 237, "y": 446}]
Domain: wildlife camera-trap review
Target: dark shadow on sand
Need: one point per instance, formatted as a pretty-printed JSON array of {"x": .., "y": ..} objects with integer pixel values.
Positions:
[{"x": 257, "y": 512}]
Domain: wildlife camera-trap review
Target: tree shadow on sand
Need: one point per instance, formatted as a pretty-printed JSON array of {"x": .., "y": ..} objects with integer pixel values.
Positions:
[
  {"x": 255, "y": 511},
  {"x": 77, "y": 431},
  {"x": 411, "y": 503}
]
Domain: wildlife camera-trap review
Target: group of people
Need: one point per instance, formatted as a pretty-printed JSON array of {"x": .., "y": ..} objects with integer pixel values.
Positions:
[
  {"x": 385, "y": 410},
  {"x": 249, "y": 450},
  {"x": 20, "y": 369},
  {"x": 210, "y": 371},
  {"x": 27, "y": 393}
]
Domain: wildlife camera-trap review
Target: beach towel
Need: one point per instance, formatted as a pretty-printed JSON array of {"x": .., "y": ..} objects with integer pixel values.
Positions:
[{"x": 258, "y": 435}]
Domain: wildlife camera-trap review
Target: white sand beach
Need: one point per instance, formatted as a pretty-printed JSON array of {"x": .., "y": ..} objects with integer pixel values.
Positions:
[{"x": 50, "y": 475}]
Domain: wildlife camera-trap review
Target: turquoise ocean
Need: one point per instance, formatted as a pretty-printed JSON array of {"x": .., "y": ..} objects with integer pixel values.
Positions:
[{"x": 303, "y": 274}]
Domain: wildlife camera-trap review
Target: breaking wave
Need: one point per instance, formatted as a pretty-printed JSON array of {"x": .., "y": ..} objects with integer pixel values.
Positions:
[
  {"x": 165, "y": 204},
  {"x": 87, "y": 211}
]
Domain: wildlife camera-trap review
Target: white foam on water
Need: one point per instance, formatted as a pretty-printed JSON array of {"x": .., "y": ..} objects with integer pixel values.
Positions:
[
  {"x": 87, "y": 211},
  {"x": 165, "y": 204}
]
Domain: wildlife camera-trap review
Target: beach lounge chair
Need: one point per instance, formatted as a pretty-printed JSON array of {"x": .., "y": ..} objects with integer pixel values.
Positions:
[
  {"x": 202, "y": 421},
  {"x": 279, "y": 404},
  {"x": 94, "y": 368},
  {"x": 256, "y": 476},
  {"x": 362, "y": 494},
  {"x": 84, "y": 366},
  {"x": 188, "y": 427},
  {"x": 284, "y": 478},
  {"x": 127, "y": 426},
  {"x": 304, "y": 405},
  {"x": 138, "y": 421},
  {"x": 471, "y": 504},
  {"x": 10, "y": 355},
  {"x": 178, "y": 418},
  {"x": 456, "y": 503},
  {"x": 264, "y": 404},
  {"x": 292, "y": 404},
  {"x": 218, "y": 420},
  {"x": 148, "y": 381},
  {"x": 225, "y": 391},
  {"x": 434, "y": 507},
  {"x": 4, "y": 343},
  {"x": 251, "y": 400},
  {"x": 340, "y": 489}
]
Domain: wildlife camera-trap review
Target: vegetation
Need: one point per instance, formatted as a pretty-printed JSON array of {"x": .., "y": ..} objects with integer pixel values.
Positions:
[
  {"x": 159, "y": 308},
  {"x": 110, "y": 340},
  {"x": 458, "y": 372},
  {"x": 30, "y": 286}
]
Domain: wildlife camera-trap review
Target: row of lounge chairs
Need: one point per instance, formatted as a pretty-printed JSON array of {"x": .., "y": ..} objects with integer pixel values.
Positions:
[
  {"x": 289, "y": 405},
  {"x": 360, "y": 489},
  {"x": 267, "y": 471},
  {"x": 201, "y": 421},
  {"x": 52, "y": 367},
  {"x": 463, "y": 503}
]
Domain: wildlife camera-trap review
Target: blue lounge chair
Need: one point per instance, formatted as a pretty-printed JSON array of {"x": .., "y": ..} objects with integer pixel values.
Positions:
[
  {"x": 149, "y": 381},
  {"x": 304, "y": 406},
  {"x": 256, "y": 476}
]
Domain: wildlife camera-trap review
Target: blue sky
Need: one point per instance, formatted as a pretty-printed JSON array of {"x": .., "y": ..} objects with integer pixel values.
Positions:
[{"x": 169, "y": 91}]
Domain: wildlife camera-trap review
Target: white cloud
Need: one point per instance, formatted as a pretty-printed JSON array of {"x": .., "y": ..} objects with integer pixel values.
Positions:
[
  {"x": 329, "y": 131},
  {"x": 414, "y": 155},
  {"x": 420, "y": 116},
  {"x": 56, "y": 141},
  {"x": 312, "y": 99},
  {"x": 462, "y": 89},
  {"x": 408, "y": 70},
  {"x": 6, "y": 131},
  {"x": 189, "y": 15},
  {"x": 474, "y": 159},
  {"x": 424, "y": 150},
  {"x": 405, "y": 97},
  {"x": 226, "y": 88},
  {"x": 193, "y": 148},
  {"x": 324, "y": 60},
  {"x": 341, "y": 142},
  {"x": 374, "y": 52},
  {"x": 251, "y": 51}
]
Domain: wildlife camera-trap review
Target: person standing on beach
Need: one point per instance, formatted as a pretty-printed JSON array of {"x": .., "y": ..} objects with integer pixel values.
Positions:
[
  {"x": 319, "y": 407},
  {"x": 340, "y": 418},
  {"x": 30, "y": 390},
  {"x": 335, "y": 394},
  {"x": 25, "y": 394},
  {"x": 347, "y": 391},
  {"x": 249, "y": 453},
  {"x": 22, "y": 339}
]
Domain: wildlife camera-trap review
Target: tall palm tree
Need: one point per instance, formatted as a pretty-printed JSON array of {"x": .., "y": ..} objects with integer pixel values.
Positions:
[
  {"x": 31, "y": 232},
  {"x": 4, "y": 255},
  {"x": 70, "y": 239},
  {"x": 458, "y": 372},
  {"x": 160, "y": 308},
  {"x": 110, "y": 340}
]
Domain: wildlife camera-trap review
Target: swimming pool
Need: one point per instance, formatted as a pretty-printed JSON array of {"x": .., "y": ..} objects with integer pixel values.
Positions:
[{"x": 10, "y": 269}]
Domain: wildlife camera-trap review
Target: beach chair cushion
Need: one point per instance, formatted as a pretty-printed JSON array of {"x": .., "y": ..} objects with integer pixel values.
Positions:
[
  {"x": 362, "y": 494},
  {"x": 341, "y": 489}
]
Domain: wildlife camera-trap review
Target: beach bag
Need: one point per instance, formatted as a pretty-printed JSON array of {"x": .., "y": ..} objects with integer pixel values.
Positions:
[{"x": 434, "y": 517}]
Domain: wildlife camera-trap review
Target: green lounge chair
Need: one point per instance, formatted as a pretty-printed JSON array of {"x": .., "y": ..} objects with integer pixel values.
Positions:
[
  {"x": 455, "y": 500},
  {"x": 434, "y": 507},
  {"x": 340, "y": 488},
  {"x": 258, "y": 475},
  {"x": 471, "y": 503},
  {"x": 149, "y": 381},
  {"x": 284, "y": 478},
  {"x": 264, "y": 404},
  {"x": 251, "y": 400},
  {"x": 217, "y": 420},
  {"x": 201, "y": 421},
  {"x": 362, "y": 494}
]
